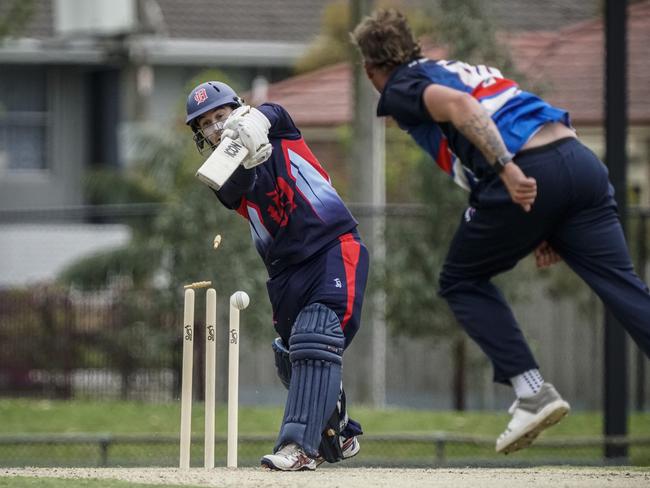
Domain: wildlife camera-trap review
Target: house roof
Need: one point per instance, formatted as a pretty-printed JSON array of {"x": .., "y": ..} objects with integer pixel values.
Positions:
[
  {"x": 516, "y": 15},
  {"x": 242, "y": 32},
  {"x": 299, "y": 20},
  {"x": 251, "y": 20},
  {"x": 280, "y": 20},
  {"x": 568, "y": 63},
  {"x": 318, "y": 98},
  {"x": 172, "y": 32}
]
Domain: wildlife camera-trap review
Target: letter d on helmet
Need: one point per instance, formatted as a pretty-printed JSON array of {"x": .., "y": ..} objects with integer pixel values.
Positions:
[{"x": 208, "y": 96}]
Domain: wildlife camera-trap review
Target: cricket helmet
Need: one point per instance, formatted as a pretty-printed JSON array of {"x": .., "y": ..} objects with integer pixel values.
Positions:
[{"x": 208, "y": 96}]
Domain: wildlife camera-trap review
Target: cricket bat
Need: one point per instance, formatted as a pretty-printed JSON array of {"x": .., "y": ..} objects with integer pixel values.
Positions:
[{"x": 222, "y": 163}]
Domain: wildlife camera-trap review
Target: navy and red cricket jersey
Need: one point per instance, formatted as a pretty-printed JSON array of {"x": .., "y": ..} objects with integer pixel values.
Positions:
[
  {"x": 289, "y": 201},
  {"x": 301, "y": 228}
]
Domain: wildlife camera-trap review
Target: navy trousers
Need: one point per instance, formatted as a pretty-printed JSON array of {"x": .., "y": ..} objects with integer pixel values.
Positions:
[
  {"x": 335, "y": 278},
  {"x": 576, "y": 213}
]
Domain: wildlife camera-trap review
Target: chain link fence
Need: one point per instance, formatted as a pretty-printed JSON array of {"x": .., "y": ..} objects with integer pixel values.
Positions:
[
  {"x": 124, "y": 343},
  {"x": 435, "y": 450}
]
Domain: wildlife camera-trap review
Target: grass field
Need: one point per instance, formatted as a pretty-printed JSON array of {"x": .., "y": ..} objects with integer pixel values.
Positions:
[
  {"x": 44, "y": 416},
  {"x": 37, "y": 418}
]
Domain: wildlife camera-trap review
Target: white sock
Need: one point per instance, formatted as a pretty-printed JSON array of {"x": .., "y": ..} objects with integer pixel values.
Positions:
[{"x": 528, "y": 383}]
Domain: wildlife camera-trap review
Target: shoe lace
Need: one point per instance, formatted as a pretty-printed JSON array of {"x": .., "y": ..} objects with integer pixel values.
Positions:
[
  {"x": 290, "y": 449},
  {"x": 513, "y": 407},
  {"x": 511, "y": 411}
]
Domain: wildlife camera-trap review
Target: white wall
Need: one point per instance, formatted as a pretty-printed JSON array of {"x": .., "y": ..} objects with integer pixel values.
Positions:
[{"x": 36, "y": 253}]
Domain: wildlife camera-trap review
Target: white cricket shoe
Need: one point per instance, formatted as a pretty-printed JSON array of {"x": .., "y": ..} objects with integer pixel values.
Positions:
[
  {"x": 530, "y": 416},
  {"x": 290, "y": 458},
  {"x": 350, "y": 448}
]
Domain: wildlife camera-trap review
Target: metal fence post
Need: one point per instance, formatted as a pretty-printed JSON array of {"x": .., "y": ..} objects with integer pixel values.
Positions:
[
  {"x": 440, "y": 449},
  {"x": 641, "y": 269},
  {"x": 104, "y": 443}
]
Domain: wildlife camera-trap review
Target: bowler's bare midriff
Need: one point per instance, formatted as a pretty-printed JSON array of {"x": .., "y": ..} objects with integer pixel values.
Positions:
[{"x": 550, "y": 132}]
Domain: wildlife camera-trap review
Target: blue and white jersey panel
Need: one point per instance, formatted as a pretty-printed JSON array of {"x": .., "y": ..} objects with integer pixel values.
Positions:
[
  {"x": 516, "y": 113},
  {"x": 314, "y": 186}
]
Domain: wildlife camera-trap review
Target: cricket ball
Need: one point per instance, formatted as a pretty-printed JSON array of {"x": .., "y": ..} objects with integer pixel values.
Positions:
[{"x": 240, "y": 300}]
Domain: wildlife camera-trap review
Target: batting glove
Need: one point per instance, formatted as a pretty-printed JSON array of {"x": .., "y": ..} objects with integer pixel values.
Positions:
[
  {"x": 236, "y": 115},
  {"x": 262, "y": 154},
  {"x": 250, "y": 126}
]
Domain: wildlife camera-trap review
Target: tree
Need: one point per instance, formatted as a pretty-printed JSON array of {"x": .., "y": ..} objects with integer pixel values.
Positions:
[
  {"x": 169, "y": 249},
  {"x": 332, "y": 44},
  {"x": 14, "y": 15},
  {"x": 466, "y": 28},
  {"x": 175, "y": 246}
]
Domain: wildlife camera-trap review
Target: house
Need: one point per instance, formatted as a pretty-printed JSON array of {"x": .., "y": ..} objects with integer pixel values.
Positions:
[{"x": 83, "y": 76}]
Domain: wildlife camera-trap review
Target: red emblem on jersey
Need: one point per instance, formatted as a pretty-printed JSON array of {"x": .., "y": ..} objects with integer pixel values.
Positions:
[
  {"x": 282, "y": 202},
  {"x": 201, "y": 96}
]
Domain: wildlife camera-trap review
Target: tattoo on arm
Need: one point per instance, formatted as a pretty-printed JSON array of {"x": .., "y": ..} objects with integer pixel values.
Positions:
[{"x": 481, "y": 131}]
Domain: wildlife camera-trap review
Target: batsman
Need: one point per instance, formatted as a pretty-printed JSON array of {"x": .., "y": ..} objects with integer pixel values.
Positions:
[{"x": 316, "y": 262}]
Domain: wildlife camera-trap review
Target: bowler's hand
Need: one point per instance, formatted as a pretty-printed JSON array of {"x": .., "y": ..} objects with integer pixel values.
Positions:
[
  {"x": 522, "y": 189},
  {"x": 546, "y": 256}
]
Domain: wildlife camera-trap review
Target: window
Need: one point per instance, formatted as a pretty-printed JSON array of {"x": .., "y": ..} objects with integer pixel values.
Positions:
[{"x": 23, "y": 119}]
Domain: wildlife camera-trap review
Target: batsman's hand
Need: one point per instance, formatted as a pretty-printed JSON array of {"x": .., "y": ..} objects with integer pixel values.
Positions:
[
  {"x": 522, "y": 189},
  {"x": 262, "y": 154},
  {"x": 231, "y": 125},
  {"x": 250, "y": 126},
  {"x": 237, "y": 114},
  {"x": 546, "y": 256}
]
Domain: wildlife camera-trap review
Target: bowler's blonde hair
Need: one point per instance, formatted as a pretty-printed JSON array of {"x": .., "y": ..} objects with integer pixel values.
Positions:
[{"x": 385, "y": 39}]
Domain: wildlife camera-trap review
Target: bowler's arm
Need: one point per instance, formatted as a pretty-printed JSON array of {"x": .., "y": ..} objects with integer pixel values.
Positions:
[{"x": 470, "y": 118}]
